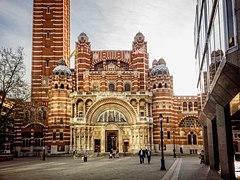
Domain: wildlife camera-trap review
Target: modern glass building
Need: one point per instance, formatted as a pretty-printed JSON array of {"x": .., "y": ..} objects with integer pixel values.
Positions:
[{"x": 216, "y": 34}]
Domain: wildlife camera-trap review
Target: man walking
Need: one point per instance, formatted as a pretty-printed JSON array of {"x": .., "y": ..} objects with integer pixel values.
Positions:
[
  {"x": 141, "y": 154},
  {"x": 149, "y": 154}
]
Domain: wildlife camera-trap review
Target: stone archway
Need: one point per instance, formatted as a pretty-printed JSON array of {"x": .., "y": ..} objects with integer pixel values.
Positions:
[{"x": 111, "y": 104}]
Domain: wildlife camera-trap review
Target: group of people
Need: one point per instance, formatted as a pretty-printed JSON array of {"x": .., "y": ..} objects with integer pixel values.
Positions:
[
  {"x": 114, "y": 154},
  {"x": 84, "y": 157},
  {"x": 145, "y": 153}
]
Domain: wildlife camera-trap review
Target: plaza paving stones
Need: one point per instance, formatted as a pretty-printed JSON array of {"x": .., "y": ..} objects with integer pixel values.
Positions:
[{"x": 99, "y": 168}]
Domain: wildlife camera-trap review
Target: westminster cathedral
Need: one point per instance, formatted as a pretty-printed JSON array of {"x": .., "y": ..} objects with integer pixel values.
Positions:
[{"x": 111, "y": 99}]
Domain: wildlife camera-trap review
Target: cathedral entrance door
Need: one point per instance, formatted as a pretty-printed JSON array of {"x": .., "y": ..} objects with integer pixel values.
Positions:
[{"x": 111, "y": 140}]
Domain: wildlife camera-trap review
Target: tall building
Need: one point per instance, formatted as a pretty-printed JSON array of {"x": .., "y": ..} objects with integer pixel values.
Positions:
[
  {"x": 111, "y": 99},
  {"x": 50, "y": 42},
  {"x": 118, "y": 99},
  {"x": 217, "y": 61}
]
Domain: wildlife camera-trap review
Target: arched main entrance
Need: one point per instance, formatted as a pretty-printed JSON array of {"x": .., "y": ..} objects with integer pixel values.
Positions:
[{"x": 111, "y": 139}]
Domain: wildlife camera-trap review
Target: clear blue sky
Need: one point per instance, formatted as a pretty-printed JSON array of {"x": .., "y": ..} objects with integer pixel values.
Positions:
[{"x": 112, "y": 25}]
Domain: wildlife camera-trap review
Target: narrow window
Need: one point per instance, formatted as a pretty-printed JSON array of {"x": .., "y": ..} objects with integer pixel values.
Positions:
[
  {"x": 47, "y": 63},
  {"x": 127, "y": 87},
  {"x": 62, "y": 86},
  {"x": 111, "y": 87},
  {"x": 194, "y": 139},
  {"x": 48, "y": 34},
  {"x": 54, "y": 136},
  {"x": 159, "y": 85},
  {"x": 61, "y": 136},
  {"x": 48, "y": 9},
  {"x": 56, "y": 86},
  {"x": 167, "y": 120},
  {"x": 165, "y": 85},
  {"x": 168, "y": 135},
  {"x": 61, "y": 120},
  {"x": 154, "y": 86},
  {"x": 189, "y": 139}
]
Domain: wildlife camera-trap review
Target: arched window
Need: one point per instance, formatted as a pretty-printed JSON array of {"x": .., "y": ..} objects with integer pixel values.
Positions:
[
  {"x": 154, "y": 86},
  {"x": 26, "y": 139},
  {"x": 44, "y": 115},
  {"x": 195, "y": 106},
  {"x": 165, "y": 85},
  {"x": 127, "y": 87},
  {"x": 62, "y": 86},
  {"x": 56, "y": 86},
  {"x": 190, "y": 108},
  {"x": 160, "y": 85},
  {"x": 184, "y": 106},
  {"x": 192, "y": 138},
  {"x": 111, "y": 87},
  {"x": 189, "y": 139}
]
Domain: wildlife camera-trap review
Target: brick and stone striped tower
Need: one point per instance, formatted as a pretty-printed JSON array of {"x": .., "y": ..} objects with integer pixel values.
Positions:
[
  {"x": 140, "y": 61},
  {"x": 50, "y": 42},
  {"x": 58, "y": 137},
  {"x": 163, "y": 101}
]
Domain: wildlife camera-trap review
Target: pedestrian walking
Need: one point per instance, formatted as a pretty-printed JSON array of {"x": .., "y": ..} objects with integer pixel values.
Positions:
[
  {"x": 149, "y": 154},
  {"x": 141, "y": 154},
  {"x": 85, "y": 156},
  {"x": 181, "y": 150},
  {"x": 111, "y": 153},
  {"x": 202, "y": 157},
  {"x": 74, "y": 154},
  {"x": 117, "y": 152}
]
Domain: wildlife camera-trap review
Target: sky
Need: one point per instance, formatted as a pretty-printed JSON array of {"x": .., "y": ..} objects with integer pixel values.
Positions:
[{"x": 111, "y": 25}]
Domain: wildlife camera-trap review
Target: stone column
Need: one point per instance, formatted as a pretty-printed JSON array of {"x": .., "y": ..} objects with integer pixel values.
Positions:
[
  {"x": 205, "y": 144},
  {"x": 225, "y": 144},
  {"x": 80, "y": 138},
  {"x": 152, "y": 138},
  {"x": 74, "y": 139},
  {"x": 88, "y": 139},
  {"x": 103, "y": 141},
  {"x": 84, "y": 139},
  {"x": 210, "y": 144},
  {"x": 71, "y": 143}
]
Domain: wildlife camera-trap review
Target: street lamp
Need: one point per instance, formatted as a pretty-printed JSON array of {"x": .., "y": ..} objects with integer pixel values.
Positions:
[
  {"x": 161, "y": 132},
  {"x": 174, "y": 144},
  {"x": 43, "y": 146}
]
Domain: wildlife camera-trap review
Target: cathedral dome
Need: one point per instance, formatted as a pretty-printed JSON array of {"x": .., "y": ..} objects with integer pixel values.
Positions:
[
  {"x": 62, "y": 69},
  {"x": 160, "y": 68},
  {"x": 83, "y": 37},
  {"x": 139, "y": 37}
]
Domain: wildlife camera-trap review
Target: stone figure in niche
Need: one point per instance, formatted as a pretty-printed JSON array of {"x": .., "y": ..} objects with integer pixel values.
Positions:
[
  {"x": 111, "y": 117},
  {"x": 105, "y": 117},
  {"x": 117, "y": 116},
  {"x": 101, "y": 118}
]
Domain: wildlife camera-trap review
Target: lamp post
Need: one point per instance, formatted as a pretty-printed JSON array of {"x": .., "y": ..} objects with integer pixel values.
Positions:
[
  {"x": 161, "y": 132},
  {"x": 174, "y": 144},
  {"x": 43, "y": 146}
]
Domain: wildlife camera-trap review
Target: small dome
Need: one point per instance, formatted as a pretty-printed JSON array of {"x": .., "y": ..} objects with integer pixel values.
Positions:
[
  {"x": 83, "y": 37},
  {"x": 160, "y": 68},
  {"x": 139, "y": 37},
  {"x": 161, "y": 61},
  {"x": 154, "y": 63},
  {"x": 61, "y": 68}
]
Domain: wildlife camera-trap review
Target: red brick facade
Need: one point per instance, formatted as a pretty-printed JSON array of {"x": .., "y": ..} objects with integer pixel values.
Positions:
[{"x": 111, "y": 99}]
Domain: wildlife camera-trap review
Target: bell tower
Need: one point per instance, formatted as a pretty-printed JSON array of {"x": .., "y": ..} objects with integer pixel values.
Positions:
[{"x": 50, "y": 42}]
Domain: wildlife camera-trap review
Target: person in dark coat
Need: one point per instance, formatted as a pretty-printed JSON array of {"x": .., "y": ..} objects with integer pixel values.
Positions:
[
  {"x": 149, "y": 154},
  {"x": 85, "y": 156},
  {"x": 141, "y": 154}
]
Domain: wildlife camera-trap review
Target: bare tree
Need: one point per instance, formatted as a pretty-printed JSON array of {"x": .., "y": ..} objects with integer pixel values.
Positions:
[{"x": 12, "y": 84}]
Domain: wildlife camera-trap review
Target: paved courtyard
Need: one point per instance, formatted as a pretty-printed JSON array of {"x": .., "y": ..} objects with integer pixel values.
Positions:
[{"x": 103, "y": 168}]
